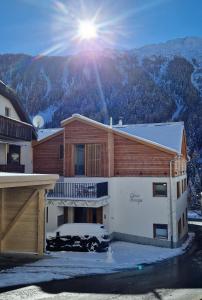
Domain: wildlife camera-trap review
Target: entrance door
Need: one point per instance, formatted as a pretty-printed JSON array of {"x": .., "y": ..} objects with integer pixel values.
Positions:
[
  {"x": 88, "y": 215},
  {"x": 80, "y": 215}
]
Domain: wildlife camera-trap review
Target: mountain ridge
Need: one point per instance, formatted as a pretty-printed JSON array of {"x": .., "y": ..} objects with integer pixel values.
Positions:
[{"x": 142, "y": 85}]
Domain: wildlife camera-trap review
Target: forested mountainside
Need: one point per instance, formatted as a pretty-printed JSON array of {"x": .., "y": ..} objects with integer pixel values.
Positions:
[{"x": 155, "y": 83}]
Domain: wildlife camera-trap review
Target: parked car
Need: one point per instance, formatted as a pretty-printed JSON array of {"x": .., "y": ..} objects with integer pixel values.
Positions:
[{"x": 78, "y": 237}]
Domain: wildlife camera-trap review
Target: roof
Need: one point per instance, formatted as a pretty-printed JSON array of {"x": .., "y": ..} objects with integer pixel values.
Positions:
[
  {"x": 164, "y": 135},
  {"x": 22, "y": 179},
  {"x": 14, "y": 99},
  {"x": 168, "y": 135},
  {"x": 44, "y": 133}
]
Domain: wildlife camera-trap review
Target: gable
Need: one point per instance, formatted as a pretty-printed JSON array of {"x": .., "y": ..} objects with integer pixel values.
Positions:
[{"x": 118, "y": 130}]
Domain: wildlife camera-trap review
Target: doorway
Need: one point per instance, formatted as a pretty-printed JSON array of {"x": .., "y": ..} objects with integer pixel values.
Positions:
[{"x": 88, "y": 215}]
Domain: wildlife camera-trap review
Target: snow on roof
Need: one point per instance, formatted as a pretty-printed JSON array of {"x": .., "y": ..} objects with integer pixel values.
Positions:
[
  {"x": 168, "y": 135},
  {"x": 43, "y": 133},
  {"x": 85, "y": 119}
]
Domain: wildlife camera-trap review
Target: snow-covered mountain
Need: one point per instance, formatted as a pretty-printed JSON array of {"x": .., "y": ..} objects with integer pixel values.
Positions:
[
  {"x": 188, "y": 47},
  {"x": 154, "y": 83}
]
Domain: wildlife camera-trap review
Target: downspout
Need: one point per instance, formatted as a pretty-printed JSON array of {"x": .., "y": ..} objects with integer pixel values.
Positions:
[{"x": 171, "y": 202}]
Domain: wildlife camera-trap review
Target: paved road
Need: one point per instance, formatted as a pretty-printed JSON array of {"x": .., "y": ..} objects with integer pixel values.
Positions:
[{"x": 178, "y": 278}]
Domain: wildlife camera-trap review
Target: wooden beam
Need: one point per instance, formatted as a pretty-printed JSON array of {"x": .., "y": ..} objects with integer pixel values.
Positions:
[
  {"x": 19, "y": 214},
  {"x": 110, "y": 154},
  {"x": 40, "y": 231}
]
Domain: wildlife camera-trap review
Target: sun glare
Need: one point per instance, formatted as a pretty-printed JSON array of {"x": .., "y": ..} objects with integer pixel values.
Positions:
[{"x": 87, "y": 30}]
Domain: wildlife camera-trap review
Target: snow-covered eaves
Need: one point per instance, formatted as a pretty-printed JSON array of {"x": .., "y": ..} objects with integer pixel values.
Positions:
[
  {"x": 167, "y": 135},
  {"x": 44, "y": 133},
  {"x": 85, "y": 119}
]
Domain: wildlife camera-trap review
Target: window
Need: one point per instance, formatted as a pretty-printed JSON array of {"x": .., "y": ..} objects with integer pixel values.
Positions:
[
  {"x": 7, "y": 111},
  {"x": 13, "y": 155},
  {"x": 46, "y": 214},
  {"x": 159, "y": 189},
  {"x": 88, "y": 160},
  {"x": 182, "y": 183},
  {"x": 79, "y": 163},
  {"x": 179, "y": 228},
  {"x": 178, "y": 190},
  {"x": 61, "y": 154},
  {"x": 183, "y": 220},
  {"x": 160, "y": 231},
  {"x": 185, "y": 184}
]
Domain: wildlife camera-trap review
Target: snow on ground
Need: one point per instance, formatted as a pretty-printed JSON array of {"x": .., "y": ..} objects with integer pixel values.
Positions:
[
  {"x": 63, "y": 265},
  {"x": 194, "y": 214}
]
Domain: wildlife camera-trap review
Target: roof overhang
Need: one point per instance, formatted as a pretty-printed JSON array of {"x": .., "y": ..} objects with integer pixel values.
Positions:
[{"x": 9, "y": 180}]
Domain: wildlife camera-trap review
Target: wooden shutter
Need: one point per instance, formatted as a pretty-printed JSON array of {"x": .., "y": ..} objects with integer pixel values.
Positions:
[{"x": 94, "y": 160}]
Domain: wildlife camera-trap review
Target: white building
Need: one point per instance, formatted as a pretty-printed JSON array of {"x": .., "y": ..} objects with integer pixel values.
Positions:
[
  {"x": 132, "y": 178},
  {"x": 16, "y": 134}
]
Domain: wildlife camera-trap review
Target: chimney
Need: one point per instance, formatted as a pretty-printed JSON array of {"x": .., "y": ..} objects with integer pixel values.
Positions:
[
  {"x": 120, "y": 121},
  {"x": 111, "y": 122}
]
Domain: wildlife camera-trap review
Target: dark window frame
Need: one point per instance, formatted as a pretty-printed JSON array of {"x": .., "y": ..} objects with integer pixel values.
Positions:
[
  {"x": 185, "y": 184},
  {"x": 160, "y": 226},
  {"x": 179, "y": 228},
  {"x": 47, "y": 214},
  {"x": 61, "y": 151},
  {"x": 183, "y": 219},
  {"x": 178, "y": 189},
  {"x": 76, "y": 169},
  {"x": 155, "y": 194},
  {"x": 7, "y": 111},
  {"x": 182, "y": 185}
]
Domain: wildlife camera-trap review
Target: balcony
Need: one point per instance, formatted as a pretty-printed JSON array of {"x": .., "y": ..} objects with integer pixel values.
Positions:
[
  {"x": 13, "y": 129},
  {"x": 79, "y": 194},
  {"x": 12, "y": 168}
]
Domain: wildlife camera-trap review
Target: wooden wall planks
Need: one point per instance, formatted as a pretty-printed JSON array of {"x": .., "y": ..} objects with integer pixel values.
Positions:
[
  {"x": 120, "y": 156},
  {"x": 46, "y": 156}
]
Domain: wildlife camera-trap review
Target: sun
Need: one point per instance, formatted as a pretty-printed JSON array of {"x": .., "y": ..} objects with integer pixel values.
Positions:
[{"x": 87, "y": 30}]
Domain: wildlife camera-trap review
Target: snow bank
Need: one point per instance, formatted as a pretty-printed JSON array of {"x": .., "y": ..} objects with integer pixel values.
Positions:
[{"x": 63, "y": 265}]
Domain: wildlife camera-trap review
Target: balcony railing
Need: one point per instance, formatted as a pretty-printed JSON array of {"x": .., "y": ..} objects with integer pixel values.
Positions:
[
  {"x": 12, "y": 168},
  {"x": 10, "y": 128},
  {"x": 66, "y": 190}
]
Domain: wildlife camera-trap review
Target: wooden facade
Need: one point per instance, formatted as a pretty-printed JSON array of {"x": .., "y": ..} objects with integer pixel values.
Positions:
[
  {"x": 46, "y": 156},
  {"x": 78, "y": 132},
  {"x": 22, "y": 201},
  {"x": 107, "y": 153}
]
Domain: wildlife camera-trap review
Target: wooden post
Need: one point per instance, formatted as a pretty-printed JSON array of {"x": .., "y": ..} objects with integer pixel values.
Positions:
[
  {"x": 110, "y": 154},
  {"x": 40, "y": 232}
]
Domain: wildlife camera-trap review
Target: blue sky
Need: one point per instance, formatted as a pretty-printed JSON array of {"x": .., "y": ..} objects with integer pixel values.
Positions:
[{"x": 39, "y": 26}]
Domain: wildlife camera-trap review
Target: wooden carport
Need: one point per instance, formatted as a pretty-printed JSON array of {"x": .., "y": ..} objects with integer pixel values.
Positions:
[{"x": 22, "y": 202}]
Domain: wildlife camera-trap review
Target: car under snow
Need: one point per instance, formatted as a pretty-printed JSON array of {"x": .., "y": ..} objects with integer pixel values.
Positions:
[{"x": 78, "y": 237}]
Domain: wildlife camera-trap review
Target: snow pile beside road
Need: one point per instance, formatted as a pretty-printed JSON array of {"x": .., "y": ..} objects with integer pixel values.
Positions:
[{"x": 63, "y": 265}]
